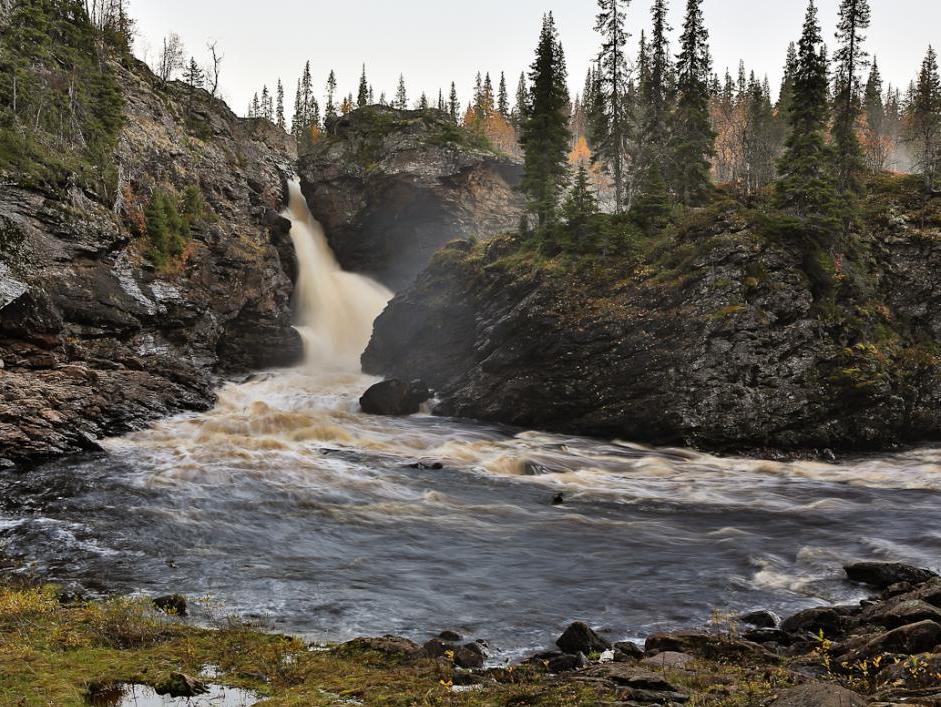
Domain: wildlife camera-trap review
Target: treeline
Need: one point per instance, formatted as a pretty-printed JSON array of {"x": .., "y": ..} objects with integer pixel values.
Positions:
[
  {"x": 660, "y": 134},
  {"x": 60, "y": 104}
]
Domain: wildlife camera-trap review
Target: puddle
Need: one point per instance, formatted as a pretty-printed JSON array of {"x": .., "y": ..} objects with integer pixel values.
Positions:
[{"x": 146, "y": 696}]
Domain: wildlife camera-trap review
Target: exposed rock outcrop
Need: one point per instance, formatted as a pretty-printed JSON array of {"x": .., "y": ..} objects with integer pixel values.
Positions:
[
  {"x": 94, "y": 339},
  {"x": 720, "y": 340},
  {"x": 391, "y": 187}
]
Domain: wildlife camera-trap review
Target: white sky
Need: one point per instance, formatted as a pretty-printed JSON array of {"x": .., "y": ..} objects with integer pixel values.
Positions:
[{"x": 434, "y": 42}]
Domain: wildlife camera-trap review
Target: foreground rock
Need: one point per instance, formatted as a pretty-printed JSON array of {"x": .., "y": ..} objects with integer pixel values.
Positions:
[
  {"x": 391, "y": 187},
  {"x": 883, "y": 575},
  {"x": 395, "y": 398},
  {"x": 94, "y": 339},
  {"x": 727, "y": 350}
]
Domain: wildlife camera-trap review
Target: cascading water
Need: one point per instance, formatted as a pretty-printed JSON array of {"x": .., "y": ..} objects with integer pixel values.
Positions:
[
  {"x": 335, "y": 309},
  {"x": 286, "y": 502}
]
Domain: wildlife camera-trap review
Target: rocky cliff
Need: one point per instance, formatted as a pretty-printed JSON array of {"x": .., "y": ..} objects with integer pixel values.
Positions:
[
  {"x": 391, "y": 187},
  {"x": 714, "y": 336},
  {"x": 95, "y": 337}
]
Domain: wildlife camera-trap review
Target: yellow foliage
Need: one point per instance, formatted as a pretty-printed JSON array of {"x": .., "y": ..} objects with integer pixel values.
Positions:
[{"x": 580, "y": 156}]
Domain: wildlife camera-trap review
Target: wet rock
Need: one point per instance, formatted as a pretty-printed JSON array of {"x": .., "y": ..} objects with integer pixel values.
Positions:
[
  {"x": 580, "y": 638},
  {"x": 882, "y": 575},
  {"x": 558, "y": 499},
  {"x": 819, "y": 695},
  {"x": 172, "y": 604},
  {"x": 181, "y": 685},
  {"x": 450, "y": 637},
  {"x": 387, "y": 645},
  {"x": 921, "y": 637},
  {"x": 815, "y": 620},
  {"x": 760, "y": 619},
  {"x": 566, "y": 663},
  {"x": 711, "y": 647},
  {"x": 394, "y": 398},
  {"x": 627, "y": 650},
  {"x": 894, "y": 614},
  {"x": 72, "y": 594},
  {"x": 470, "y": 656}
]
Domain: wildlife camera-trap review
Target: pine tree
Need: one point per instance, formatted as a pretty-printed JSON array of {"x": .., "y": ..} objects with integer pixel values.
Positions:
[
  {"x": 454, "y": 106},
  {"x": 578, "y": 208},
  {"x": 401, "y": 95},
  {"x": 806, "y": 188},
  {"x": 255, "y": 108},
  {"x": 610, "y": 123},
  {"x": 924, "y": 121},
  {"x": 876, "y": 140},
  {"x": 281, "y": 122},
  {"x": 786, "y": 95},
  {"x": 503, "y": 102},
  {"x": 522, "y": 100},
  {"x": 655, "y": 92},
  {"x": 362, "y": 99},
  {"x": 330, "y": 109},
  {"x": 693, "y": 140},
  {"x": 850, "y": 59},
  {"x": 487, "y": 100},
  {"x": 545, "y": 135},
  {"x": 265, "y": 103}
]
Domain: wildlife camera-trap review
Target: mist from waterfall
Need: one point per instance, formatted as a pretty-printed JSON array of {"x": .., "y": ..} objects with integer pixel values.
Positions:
[{"x": 335, "y": 309}]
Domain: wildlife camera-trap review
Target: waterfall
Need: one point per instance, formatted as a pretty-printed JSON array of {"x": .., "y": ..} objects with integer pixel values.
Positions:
[{"x": 335, "y": 309}]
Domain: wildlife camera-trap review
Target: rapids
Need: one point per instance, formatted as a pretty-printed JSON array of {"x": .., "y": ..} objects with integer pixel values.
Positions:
[{"x": 286, "y": 504}]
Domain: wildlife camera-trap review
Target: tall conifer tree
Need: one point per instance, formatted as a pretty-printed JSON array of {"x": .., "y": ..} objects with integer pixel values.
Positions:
[
  {"x": 545, "y": 133},
  {"x": 693, "y": 139},
  {"x": 609, "y": 107},
  {"x": 806, "y": 188},
  {"x": 850, "y": 59},
  {"x": 362, "y": 98}
]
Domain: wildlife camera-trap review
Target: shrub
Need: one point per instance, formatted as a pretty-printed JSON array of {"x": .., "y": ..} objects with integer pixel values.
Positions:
[{"x": 170, "y": 220}]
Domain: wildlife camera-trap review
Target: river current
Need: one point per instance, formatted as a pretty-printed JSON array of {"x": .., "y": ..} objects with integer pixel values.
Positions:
[{"x": 287, "y": 505}]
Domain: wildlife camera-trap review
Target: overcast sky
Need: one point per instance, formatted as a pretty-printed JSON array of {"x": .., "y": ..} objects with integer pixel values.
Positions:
[{"x": 433, "y": 42}]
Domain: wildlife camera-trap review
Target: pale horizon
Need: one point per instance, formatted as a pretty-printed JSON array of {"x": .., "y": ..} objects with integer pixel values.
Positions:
[{"x": 437, "y": 47}]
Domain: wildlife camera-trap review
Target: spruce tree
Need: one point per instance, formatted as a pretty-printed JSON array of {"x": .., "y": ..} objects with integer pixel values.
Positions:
[
  {"x": 401, "y": 95},
  {"x": 786, "y": 94},
  {"x": 522, "y": 100},
  {"x": 441, "y": 104},
  {"x": 362, "y": 99},
  {"x": 298, "y": 119},
  {"x": 265, "y": 103},
  {"x": 544, "y": 133},
  {"x": 806, "y": 187},
  {"x": 610, "y": 123},
  {"x": 487, "y": 100},
  {"x": 693, "y": 140},
  {"x": 281, "y": 122},
  {"x": 423, "y": 102},
  {"x": 454, "y": 106},
  {"x": 330, "y": 109},
  {"x": 874, "y": 112},
  {"x": 651, "y": 210},
  {"x": 503, "y": 102},
  {"x": 578, "y": 208},
  {"x": 924, "y": 121},
  {"x": 850, "y": 58}
]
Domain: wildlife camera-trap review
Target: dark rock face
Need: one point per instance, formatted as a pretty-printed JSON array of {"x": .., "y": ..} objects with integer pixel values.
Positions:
[
  {"x": 883, "y": 575},
  {"x": 391, "y": 187},
  {"x": 394, "y": 397},
  {"x": 730, "y": 355},
  {"x": 580, "y": 638},
  {"x": 94, "y": 341}
]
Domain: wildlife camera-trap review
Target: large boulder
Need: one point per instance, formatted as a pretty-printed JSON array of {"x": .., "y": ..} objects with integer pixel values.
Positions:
[
  {"x": 581, "y": 638},
  {"x": 391, "y": 187},
  {"x": 394, "y": 397},
  {"x": 883, "y": 575}
]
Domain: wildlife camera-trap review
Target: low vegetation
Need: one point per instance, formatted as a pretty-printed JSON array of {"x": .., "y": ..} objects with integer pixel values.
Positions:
[{"x": 170, "y": 219}]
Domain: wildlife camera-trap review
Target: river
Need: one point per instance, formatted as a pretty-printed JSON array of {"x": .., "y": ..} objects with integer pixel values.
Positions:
[{"x": 287, "y": 505}]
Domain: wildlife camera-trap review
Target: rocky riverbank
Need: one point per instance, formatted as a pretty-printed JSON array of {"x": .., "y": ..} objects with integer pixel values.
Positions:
[
  {"x": 100, "y": 331},
  {"x": 720, "y": 333},
  {"x": 59, "y": 649}
]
